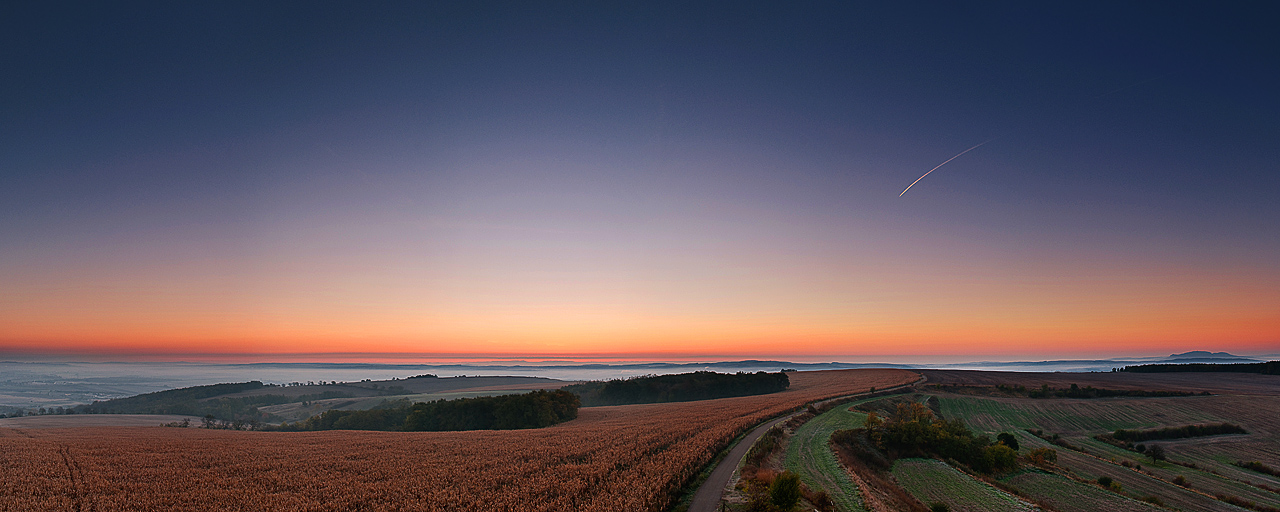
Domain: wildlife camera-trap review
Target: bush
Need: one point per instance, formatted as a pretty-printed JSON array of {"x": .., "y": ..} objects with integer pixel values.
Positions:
[
  {"x": 999, "y": 458},
  {"x": 784, "y": 492},
  {"x": 1259, "y": 467},
  {"x": 1041, "y": 456},
  {"x": 1180, "y": 480},
  {"x": 1104, "y": 481},
  {"x": 1008, "y": 440},
  {"x": 939, "y": 506}
]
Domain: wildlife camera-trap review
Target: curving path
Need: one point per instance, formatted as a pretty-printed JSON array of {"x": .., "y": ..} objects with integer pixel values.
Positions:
[{"x": 707, "y": 498}]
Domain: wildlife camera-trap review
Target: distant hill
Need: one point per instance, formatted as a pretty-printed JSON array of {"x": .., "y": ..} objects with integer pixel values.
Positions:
[
  {"x": 1198, "y": 354},
  {"x": 1204, "y": 356}
]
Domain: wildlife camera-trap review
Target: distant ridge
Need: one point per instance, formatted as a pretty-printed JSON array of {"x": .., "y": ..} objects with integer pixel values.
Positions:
[
  {"x": 1204, "y": 356},
  {"x": 1200, "y": 353}
]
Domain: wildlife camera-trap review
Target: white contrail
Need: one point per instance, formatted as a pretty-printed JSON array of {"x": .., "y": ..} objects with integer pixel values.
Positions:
[{"x": 904, "y": 191}]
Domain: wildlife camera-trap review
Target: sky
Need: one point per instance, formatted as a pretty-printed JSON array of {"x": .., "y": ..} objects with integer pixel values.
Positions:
[{"x": 649, "y": 180}]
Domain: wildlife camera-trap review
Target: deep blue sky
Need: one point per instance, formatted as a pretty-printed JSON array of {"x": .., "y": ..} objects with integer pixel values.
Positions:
[{"x": 354, "y": 144}]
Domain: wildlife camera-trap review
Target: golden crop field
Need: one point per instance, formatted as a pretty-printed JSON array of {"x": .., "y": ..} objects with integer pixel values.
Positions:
[{"x": 620, "y": 458}]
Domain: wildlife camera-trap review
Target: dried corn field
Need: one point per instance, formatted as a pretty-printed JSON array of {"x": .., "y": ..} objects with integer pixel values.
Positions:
[{"x": 622, "y": 458}]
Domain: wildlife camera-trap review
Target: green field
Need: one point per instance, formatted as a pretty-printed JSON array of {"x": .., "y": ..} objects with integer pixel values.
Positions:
[
  {"x": 1221, "y": 458},
  {"x": 1196, "y": 478},
  {"x": 933, "y": 481},
  {"x": 1103, "y": 459},
  {"x": 809, "y": 455},
  {"x": 1066, "y": 495},
  {"x": 1066, "y": 416},
  {"x": 1133, "y": 483}
]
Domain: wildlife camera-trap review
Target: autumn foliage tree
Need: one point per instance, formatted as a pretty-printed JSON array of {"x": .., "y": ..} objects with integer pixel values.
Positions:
[{"x": 913, "y": 431}]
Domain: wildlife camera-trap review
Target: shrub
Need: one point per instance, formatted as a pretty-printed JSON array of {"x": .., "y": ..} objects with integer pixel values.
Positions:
[
  {"x": 999, "y": 458},
  {"x": 1259, "y": 467},
  {"x": 1041, "y": 456},
  {"x": 939, "y": 506},
  {"x": 784, "y": 492},
  {"x": 1008, "y": 440},
  {"x": 1180, "y": 480},
  {"x": 1104, "y": 481}
]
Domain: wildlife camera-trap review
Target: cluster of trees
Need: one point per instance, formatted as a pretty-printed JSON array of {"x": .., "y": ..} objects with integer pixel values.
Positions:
[
  {"x": 1134, "y": 436},
  {"x": 678, "y": 388},
  {"x": 509, "y": 412},
  {"x": 1267, "y": 368},
  {"x": 913, "y": 431}
]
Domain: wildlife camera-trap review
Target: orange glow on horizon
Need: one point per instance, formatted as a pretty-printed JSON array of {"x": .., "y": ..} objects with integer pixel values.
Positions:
[{"x": 878, "y": 307}]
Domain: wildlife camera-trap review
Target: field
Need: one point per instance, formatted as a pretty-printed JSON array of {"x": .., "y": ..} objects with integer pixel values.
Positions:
[
  {"x": 809, "y": 455},
  {"x": 1075, "y": 417},
  {"x": 1066, "y": 495},
  {"x": 94, "y": 420},
  {"x": 1195, "y": 478},
  {"x": 631, "y": 458},
  {"x": 1218, "y": 383},
  {"x": 1133, "y": 483},
  {"x": 1251, "y": 401},
  {"x": 934, "y": 481}
]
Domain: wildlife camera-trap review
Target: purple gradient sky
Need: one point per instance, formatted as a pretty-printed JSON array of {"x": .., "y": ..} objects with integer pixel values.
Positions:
[{"x": 462, "y": 178}]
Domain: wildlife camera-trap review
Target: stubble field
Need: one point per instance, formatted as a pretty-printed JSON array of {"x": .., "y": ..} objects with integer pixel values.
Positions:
[{"x": 632, "y": 458}]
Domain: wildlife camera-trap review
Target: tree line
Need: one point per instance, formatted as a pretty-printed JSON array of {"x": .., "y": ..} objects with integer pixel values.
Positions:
[
  {"x": 682, "y": 387},
  {"x": 1136, "y": 436},
  {"x": 535, "y": 409},
  {"x": 1267, "y": 368}
]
